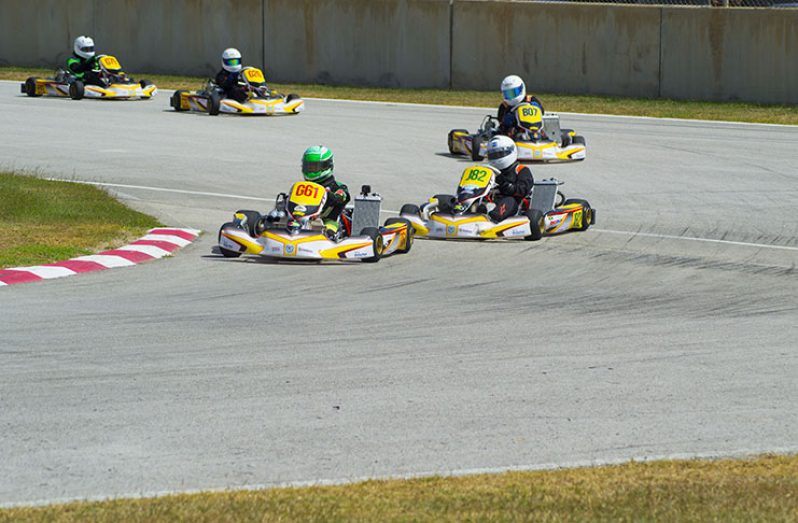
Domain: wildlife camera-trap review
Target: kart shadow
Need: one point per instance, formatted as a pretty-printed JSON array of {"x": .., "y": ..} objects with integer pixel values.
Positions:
[{"x": 264, "y": 260}]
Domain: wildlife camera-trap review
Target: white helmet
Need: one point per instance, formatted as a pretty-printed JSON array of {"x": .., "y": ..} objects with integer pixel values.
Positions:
[
  {"x": 501, "y": 152},
  {"x": 84, "y": 47},
  {"x": 231, "y": 60},
  {"x": 513, "y": 89}
]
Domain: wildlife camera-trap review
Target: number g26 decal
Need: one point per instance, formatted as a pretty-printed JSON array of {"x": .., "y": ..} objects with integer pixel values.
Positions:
[{"x": 477, "y": 176}]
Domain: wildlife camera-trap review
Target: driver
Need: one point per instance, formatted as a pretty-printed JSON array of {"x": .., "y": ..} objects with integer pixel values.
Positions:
[
  {"x": 317, "y": 167},
  {"x": 228, "y": 78},
  {"x": 514, "y": 181},
  {"x": 514, "y": 94},
  {"x": 83, "y": 63}
]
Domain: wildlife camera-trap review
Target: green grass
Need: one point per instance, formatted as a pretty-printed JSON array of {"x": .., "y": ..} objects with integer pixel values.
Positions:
[
  {"x": 44, "y": 221},
  {"x": 662, "y": 108},
  {"x": 757, "y": 489}
]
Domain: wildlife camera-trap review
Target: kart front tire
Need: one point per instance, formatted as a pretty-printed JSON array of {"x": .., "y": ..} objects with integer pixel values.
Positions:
[
  {"x": 411, "y": 233},
  {"x": 410, "y": 208},
  {"x": 445, "y": 202},
  {"x": 30, "y": 87},
  {"x": 76, "y": 90},
  {"x": 254, "y": 220},
  {"x": 214, "y": 103},
  {"x": 535, "y": 220},
  {"x": 476, "y": 145},
  {"x": 450, "y": 139},
  {"x": 226, "y": 252},
  {"x": 579, "y": 140},
  {"x": 291, "y": 97},
  {"x": 587, "y": 212},
  {"x": 376, "y": 238},
  {"x": 174, "y": 101}
]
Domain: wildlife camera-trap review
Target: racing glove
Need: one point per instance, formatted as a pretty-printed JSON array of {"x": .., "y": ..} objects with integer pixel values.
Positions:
[
  {"x": 339, "y": 196},
  {"x": 507, "y": 188}
]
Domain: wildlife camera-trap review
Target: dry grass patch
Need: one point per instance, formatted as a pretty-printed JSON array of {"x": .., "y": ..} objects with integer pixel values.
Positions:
[
  {"x": 727, "y": 111},
  {"x": 44, "y": 221},
  {"x": 757, "y": 489}
]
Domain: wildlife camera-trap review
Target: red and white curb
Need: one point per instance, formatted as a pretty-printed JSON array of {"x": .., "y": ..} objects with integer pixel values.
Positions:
[{"x": 156, "y": 244}]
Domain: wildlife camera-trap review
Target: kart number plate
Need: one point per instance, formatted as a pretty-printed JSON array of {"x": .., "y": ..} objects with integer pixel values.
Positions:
[
  {"x": 529, "y": 115},
  {"x": 110, "y": 63},
  {"x": 476, "y": 177},
  {"x": 254, "y": 75},
  {"x": 308, "y": 194}
]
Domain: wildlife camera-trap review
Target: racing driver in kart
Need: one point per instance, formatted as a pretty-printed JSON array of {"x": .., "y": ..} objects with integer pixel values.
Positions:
[
  {"x": 228, "y": 79},
  {"x": 514, "y": 181},
  {"x": 317, "y": 167},
  {"x": 514, "y": 94},
  {"x": 83, "y": 63}
]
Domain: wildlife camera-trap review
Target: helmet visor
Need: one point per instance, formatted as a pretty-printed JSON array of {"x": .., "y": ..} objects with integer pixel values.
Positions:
[
  {"x": 315, "y": 167},
  {"x": 499, "y": 152},
  {"x": 232, "y": 62},
  {"x": 511, "y": 93},
  {"x": 87, "y": 48}
]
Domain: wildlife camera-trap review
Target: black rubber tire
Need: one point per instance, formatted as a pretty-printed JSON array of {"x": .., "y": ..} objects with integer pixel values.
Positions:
[
  {"x": 445, "y": 202},
  {"x": 410, "y": 208},
  {"x": 76, "y": 90},
  {"x": 376, "y": 237},
  {"x": 174, "y": 101},
  {"x": 450, "y": 140},
  {"x": 411, "y": 233},
  {"x": 254, "y": 219},
  {"x": 144, "y": 83},
  {"x": 291, "y": 97},
  {"x": 587, "y": 213},
  {"x": 579, "y": 140},
  {"x": 30, "y": 87},
  {"x": 226, "y": 252},
  {"x": 476, "y": 144},
  {"x": 535, "y": 219},
  {"x": 214, "y": 103},
  {"x": 566, "y": 137}
]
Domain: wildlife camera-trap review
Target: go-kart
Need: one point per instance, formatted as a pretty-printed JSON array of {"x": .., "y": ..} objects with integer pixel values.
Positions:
[
  {"x": 260, "y": 99},
  {"x": 293, "y": 229},
  {"x": 541, "y": 140},
  {"x": 544, "y": 212},
  {"x": 113, "y": 83}
]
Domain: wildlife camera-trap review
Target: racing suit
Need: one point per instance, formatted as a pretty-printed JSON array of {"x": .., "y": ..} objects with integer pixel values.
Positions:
[
  {"x": 513, "y": 184},
  {"x": 508, "y": 121},
  {"x": 337, "y": 199},
  {"x": 83, "y": 69},
  {"x": 228, "y": 82}
]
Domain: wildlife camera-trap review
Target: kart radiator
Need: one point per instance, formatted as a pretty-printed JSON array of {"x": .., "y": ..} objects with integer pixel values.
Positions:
[
  {"x": 544, "y": 195},
  {"x": 367, "y": 210},
  {"x": 551, "y": 126}
]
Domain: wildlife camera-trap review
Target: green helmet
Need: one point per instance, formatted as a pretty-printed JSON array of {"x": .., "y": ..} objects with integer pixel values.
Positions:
[{"x": 317, "y": 163}]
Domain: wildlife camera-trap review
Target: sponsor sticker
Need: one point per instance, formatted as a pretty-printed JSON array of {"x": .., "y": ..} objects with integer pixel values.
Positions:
[
  {"x": 289, "y": 249},
  {"x": 450, "y": 229}
]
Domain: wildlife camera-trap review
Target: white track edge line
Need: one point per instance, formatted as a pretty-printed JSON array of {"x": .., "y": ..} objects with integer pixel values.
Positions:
[
  {"x": 710, "y": 455},
  {"x": 387, "y": 211}
]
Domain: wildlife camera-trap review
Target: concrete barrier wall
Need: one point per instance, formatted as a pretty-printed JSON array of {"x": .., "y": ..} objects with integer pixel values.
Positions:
[
  {"x": 730, "y": 54},
  {"x": 597, "y": 49},
  {"x": 361, "y": 42},
  {"x": 674, "y": 52}
]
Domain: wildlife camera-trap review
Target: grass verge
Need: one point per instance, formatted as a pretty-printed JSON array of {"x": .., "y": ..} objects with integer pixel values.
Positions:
[
  {"x": 660, "y": 108},
  {"x": 44, "y": 221},
  {"x": 757, "y": 489}
]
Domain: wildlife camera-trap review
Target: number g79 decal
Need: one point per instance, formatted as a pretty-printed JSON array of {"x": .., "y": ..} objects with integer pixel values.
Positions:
[{"x": 476, "y": 176}]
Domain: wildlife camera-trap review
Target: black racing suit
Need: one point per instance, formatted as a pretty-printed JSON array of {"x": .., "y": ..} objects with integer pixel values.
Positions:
[
  {"x": 228, "y": 82},
  {"x": 84, "y": 69},
  {"x": 513, "y": 184},
  {"x": 508, "y": 124},
  {"x": 337, "y": 199}
]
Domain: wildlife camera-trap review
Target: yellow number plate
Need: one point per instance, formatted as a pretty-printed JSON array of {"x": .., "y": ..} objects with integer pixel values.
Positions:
[
  {"x": 476, "y": 176},
  {"x": 254, "y": 75},
  {"x": 529, "y": 115},
  {"x": 110, "y": 63},
  {"x": 307, "y": 193}
]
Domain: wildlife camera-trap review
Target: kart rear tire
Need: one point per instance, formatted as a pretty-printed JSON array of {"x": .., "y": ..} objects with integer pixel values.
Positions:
[
  {"x": 411, "y": 233},
  {"x": 445, "y": 202},
  {"x": 226, "y": 252},
  {"x": 587, "y": 213},
  {"x": 535, "y": 219},
  {"x": 254, "y": 220},
  {"x": 174, "y": 101},
  {"x": 77, "y": 90},
  {"x": 291, "y": 97},
  {"x": 376, "y": 238},
  {"x": 30, "y": 87},
  {"x": 410, "y": 208},
  {"x": 476, "y": 145},
  {"x": 214, "y": 104},
  {"x": 450, "y": 139},
  {"x": 579, "y": 140}
]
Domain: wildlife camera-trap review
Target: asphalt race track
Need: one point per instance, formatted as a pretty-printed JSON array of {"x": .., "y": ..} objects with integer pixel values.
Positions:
[{"x": 670, "y": 328}]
